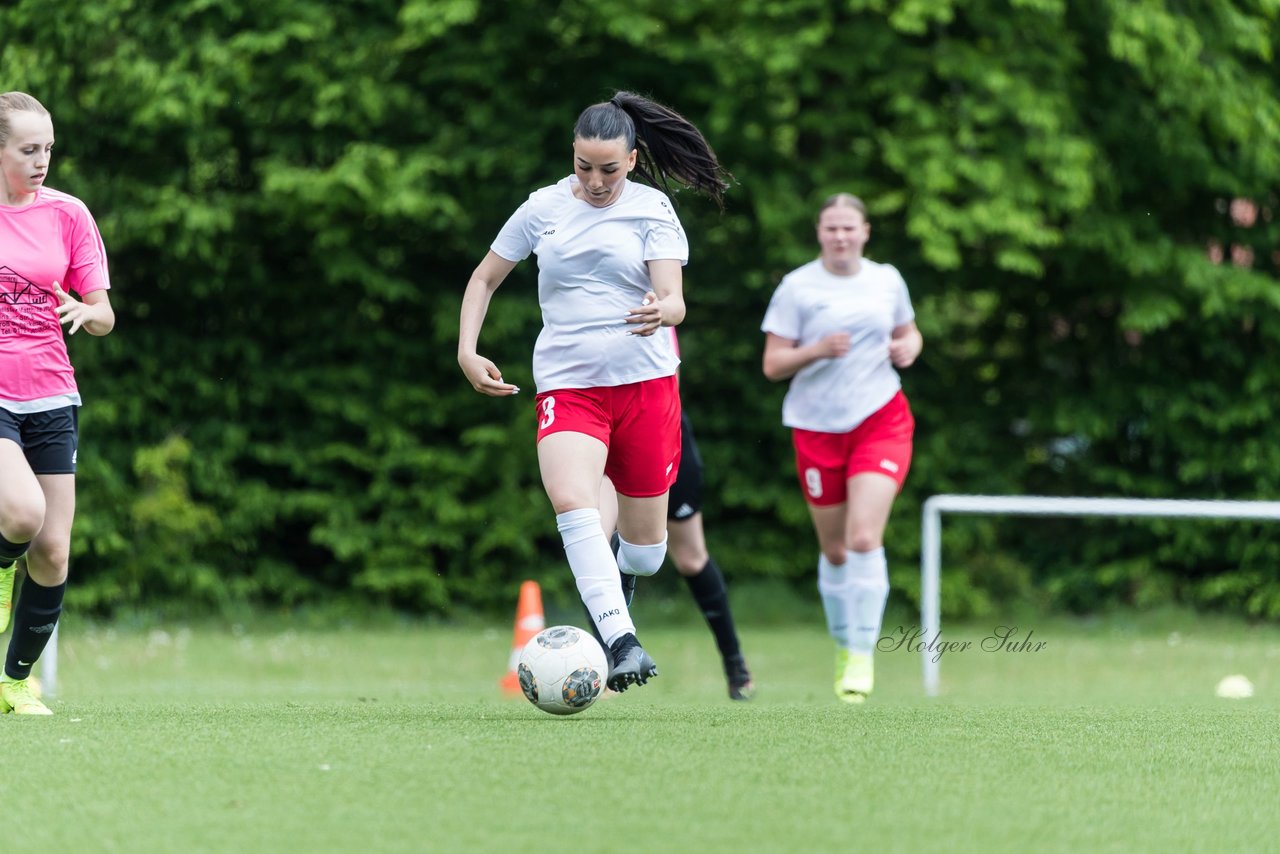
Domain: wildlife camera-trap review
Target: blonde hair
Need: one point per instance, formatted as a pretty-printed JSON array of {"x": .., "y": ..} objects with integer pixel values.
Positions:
[
  {"x": 16, "y": 102},
  {"x": 844, "y": 200}
]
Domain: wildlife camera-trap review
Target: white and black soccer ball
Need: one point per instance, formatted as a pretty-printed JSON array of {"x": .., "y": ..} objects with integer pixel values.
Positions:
[{"x": 562, "y": 670}]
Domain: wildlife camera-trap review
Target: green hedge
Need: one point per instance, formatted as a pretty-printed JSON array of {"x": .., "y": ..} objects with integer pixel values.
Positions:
[{"x": 294, "y": 193}]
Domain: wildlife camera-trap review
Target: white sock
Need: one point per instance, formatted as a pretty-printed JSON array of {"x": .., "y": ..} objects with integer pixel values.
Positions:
[
  {"x": 833, "y": 585},
  {"x": 641, "y": 560},
  {"x": 868, "y": 592},
  {"x": 595, "y": 571}
]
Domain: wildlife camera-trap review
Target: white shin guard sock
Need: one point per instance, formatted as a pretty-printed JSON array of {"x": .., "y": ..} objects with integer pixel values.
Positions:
[
  {"x": 641, "y": 560},
  {"x": 595, "y": 571},
  {"x": 833, "y": 586},
  {"x": 868, "y": 574}
]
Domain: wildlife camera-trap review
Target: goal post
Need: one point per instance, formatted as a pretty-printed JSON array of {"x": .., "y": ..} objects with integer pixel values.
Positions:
[
  {"x": 48, "y": 666},
  {"x": 1042, "y": 505}
]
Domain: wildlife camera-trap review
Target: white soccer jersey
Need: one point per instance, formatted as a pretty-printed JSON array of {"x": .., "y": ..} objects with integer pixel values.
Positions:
[
  {"x": 836, "y": 395},
  {"x": 591, "y": 270}
]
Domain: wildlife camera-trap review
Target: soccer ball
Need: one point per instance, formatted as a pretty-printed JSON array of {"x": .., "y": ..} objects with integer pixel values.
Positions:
[{"x": 562, "y": 670}]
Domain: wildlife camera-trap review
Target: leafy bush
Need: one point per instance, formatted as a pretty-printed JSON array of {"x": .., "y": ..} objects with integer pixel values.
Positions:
[{"x": 293, "y": 195}]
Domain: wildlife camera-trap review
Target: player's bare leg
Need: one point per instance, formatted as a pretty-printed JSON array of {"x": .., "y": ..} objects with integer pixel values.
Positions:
[{"x": 572, "y": 466}]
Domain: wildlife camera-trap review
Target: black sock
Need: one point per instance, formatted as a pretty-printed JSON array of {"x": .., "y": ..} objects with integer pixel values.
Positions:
[
  {"x": 9, "y": 552},
  {"x": 34, "y": 616},
  {"x": 712, "y": 597}
]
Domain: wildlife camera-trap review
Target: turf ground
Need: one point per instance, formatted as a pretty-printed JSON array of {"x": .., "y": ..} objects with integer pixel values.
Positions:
[{"x": 1109, "y": 738}]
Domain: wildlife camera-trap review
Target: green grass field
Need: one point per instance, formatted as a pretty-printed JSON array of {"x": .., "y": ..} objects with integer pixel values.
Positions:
[{"x": 397, "y": 739}]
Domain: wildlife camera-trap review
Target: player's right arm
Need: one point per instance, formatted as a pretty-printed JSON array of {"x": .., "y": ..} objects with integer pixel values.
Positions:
[
  {"x": 482, "y": 373},
  {"x": 784, "y": 357}
]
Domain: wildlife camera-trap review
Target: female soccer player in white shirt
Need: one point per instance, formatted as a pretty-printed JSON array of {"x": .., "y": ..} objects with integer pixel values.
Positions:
[
  {"x": 610, "y": 257},
  {"x": 838, "y": 327}
]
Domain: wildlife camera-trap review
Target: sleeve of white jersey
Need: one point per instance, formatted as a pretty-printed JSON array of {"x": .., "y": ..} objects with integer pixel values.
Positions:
[
  {"x": 664, "y": 237},
  {"x": 782, "y": 317},
  {"x": 514, "y": 242}
]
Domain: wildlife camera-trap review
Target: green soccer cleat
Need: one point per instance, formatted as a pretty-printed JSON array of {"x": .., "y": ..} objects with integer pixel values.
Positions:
[
  {"x": 855, "y": 676},
  {"x": 22, "y": 697},
  {"x": 6, "y": 594}
]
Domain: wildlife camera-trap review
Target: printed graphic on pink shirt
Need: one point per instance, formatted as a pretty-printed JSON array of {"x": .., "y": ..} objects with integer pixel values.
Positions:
[{"x": 24, "y": 307}]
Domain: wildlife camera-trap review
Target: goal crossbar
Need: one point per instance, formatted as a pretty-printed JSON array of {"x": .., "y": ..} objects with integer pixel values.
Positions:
[{"x": 1043, "y": 505}]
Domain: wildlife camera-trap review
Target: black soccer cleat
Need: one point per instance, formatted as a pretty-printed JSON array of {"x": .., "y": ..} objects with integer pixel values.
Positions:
[
  {"x": 631, "y": 665},
  {"x": 740, "y": 685}
]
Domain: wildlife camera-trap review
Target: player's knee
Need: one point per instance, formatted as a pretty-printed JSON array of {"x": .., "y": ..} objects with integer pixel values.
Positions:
[
  {"x": 48, "y": 564},
  {"x": 641, "y": 560},
  {"x": 835, "y": 553},
  {"x": 865, "y": 541},
  {"x": 20, "y": 521},
  {"x": 688, "y": 560}
]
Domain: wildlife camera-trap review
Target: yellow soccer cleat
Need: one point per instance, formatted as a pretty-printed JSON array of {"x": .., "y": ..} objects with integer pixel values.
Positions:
[
  {"x": 22, "y": 697},
  {"x": 855, "y": 676},
  {"x": 6, "y": 594}
]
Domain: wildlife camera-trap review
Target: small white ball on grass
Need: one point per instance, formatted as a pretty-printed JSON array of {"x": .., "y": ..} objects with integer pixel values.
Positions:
[{"x": 1235, "y": 687}]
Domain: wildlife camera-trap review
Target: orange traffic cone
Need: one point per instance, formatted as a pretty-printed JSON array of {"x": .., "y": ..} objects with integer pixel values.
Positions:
[{"x": 529, "y": 621}]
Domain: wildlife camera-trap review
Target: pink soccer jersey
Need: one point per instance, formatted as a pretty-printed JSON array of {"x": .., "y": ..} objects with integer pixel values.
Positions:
[{"x": 52, "y": 239}]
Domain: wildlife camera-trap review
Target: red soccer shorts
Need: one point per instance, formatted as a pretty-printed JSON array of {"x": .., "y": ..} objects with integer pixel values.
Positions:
[
  {"x": 881, "y": 443},
  {"x": 639, "y": 423}
]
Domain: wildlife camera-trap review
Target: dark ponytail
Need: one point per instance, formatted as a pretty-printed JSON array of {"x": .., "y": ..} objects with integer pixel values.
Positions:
[{"x": 667, "y": 144}]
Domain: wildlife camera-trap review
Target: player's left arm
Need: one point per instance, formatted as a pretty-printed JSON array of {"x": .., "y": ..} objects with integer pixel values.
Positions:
[
  {"x": 664, "y": 305},
  {"x": 906, "y": 344},
  {"x": 94, "y": 312}
]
